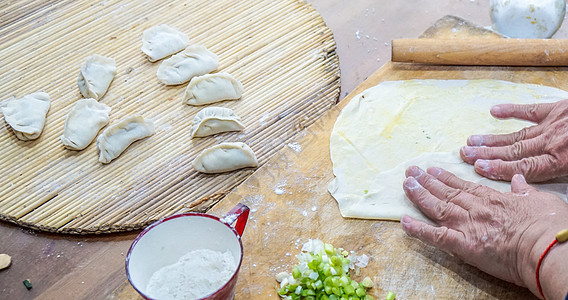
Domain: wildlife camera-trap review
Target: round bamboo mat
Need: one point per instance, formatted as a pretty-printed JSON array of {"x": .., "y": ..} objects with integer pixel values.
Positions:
[{"x": 281, "y": 51}]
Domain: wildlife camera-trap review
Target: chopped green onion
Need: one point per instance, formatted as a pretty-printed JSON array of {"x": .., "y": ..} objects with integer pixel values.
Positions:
[
  {"x": 322, "y": 274},
  {"x": 390, "y": 296}
]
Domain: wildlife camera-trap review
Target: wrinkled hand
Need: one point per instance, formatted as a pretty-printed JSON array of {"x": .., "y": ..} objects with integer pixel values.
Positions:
[
  {"x": 500, "y": 233},
  {"x": 539, "y": 152}
]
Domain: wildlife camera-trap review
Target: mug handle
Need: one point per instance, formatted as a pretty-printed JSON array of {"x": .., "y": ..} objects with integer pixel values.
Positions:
[{"x": 240, "y": 214}]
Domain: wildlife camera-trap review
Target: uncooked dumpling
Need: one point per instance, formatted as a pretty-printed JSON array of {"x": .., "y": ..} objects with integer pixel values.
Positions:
[
  {"x": 27, "y": 115},
  {"x": 213, "y": 120},
  {"x": 225, "y": 157},
  {"x": 211, "y": 88},
  {"x": 83, "y": 123},
  {"x": 162, "y": 40},
  {"x": 385, "y": 127},
  {"x": 97, "y": 72},
  {"x": 117, "y": 137},
  {"x": 194, "y": 61}
]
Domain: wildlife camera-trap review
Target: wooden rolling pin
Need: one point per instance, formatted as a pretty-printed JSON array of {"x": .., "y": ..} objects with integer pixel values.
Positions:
[{"x": 482, "y": 52}]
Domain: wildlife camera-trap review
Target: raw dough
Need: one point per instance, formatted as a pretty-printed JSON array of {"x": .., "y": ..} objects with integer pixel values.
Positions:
[
  {"x": 5, "y": 261},
  {"x": 27, "y": 115},
  {"x": 97, "y": 72},
  {"x": 395, "y": 122},
  {"x": 213, "y": 120},
  {"x": 211, "y": 88},
  {"x": 117, "y": 137},
  {"x": 83, "y": 123},
  {"x": 385, "y": 194},
  {"x": 225, "y": 157},
  {"x": 194, "y": 61},
  {"x": 162, "y": 40}
]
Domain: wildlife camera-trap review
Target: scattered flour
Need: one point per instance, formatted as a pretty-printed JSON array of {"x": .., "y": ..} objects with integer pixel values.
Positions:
[
  {"x": 279, "y": 188},
  {"x": 295, "y": 146},
  {"x": 194, "y": 276}
]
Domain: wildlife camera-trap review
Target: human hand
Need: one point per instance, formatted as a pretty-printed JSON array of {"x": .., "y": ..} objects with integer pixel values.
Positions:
[
  {"x": 502, "y": 234},
  {"x": 539, "y": 152}
]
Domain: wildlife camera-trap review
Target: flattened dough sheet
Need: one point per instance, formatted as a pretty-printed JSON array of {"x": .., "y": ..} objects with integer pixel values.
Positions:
[{"x": 396, "y": 124}]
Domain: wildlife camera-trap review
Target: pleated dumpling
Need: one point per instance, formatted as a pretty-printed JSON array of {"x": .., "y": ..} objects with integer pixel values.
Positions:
[
  {"x": 83, "y": 123},
  {"x": 225, "y": 157},
  {"x": 97, "y": 72},
  {"x": 213, "y": 120},
  {"x": 194, "y": 61},
  {"x": 27, "y": 115},
  {"x": 212, "y": 88},
  {"x": 117, "y": 137},
  {"x": 162, "y": 40}
]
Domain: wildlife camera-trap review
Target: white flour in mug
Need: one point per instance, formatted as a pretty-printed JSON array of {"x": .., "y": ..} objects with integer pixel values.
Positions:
[{"x": 195, "y": 275}]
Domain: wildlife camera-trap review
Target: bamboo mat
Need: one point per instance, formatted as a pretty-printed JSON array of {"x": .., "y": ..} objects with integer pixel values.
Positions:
[{"x": 281, "y": 51}]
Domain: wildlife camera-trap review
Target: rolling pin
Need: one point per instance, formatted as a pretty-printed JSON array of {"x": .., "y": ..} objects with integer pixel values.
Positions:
[{"x": 482, "y": 52}]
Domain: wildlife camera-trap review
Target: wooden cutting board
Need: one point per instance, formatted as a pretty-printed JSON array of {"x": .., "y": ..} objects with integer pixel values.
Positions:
[
  {"x": 290, "y": 204},
  {"x": 281, "y": 51}
]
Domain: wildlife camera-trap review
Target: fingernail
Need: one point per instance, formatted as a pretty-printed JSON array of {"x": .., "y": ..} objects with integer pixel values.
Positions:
[
  {"x": 415, "y": 172},
  {"x": 476, "y": 140},
  {"x": 411, "y": 183},
  {"x": 496, "y": 110},
  {"x": 435, "y": 171},
  {"x": 405, "y": 221},
  {"x": 468, "y": 151},
  {"x": 519, "y": 177},
  {"x": 483, "y": 165}
]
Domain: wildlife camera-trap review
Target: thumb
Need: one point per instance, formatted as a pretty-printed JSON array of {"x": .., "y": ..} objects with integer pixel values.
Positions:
[
  {"x": 520, "y": 186},
  {"x": 528, "y": 112}
]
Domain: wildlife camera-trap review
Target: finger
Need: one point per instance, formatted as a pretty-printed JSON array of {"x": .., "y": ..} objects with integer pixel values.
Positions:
[
  {"x": 528, "y": 112},
  {"x": 495, "y": 140},
  {"x": 455, "y": 182},
  {"x": 520, "y": 186},
  {"x": 439, "y": 189},
  {"x": 444, "y": 238},
  {"x": 437, "y": 210},
  {"x": 534, "y": 169},
  {"x": 519, "y": 150}
]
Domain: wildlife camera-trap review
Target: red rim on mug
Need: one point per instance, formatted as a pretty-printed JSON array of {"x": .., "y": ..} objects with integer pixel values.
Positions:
[{"x": 166, "y": 240}]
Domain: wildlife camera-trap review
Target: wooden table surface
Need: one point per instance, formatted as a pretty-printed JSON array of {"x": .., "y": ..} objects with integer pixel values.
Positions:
[{"x": 92, "y": 267}]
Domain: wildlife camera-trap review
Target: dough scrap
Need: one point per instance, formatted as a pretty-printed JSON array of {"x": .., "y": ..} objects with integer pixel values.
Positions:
[
  {"x": 211, "y": 88},
  {"x": 388, "y": 125},
  {"x": 97, "y": 72},
  {"x": 194, "y": 61},
  {"x": 83, "y": 123},
  {"x": 5, "y": 261},
  {"x": 117, "y": 137},
  {"x": 162, "y": 40},
  {"x": 213, "y": 120},
  {"x": 27, "y": 115},
  {"x": 225, "y": 157}
]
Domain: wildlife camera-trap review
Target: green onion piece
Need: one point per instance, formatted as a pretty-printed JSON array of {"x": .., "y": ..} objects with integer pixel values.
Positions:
[
  {"x": 367, "y": 282},
  {"x": 390, "y": 296},
  {"x": 27, "y": 284}
]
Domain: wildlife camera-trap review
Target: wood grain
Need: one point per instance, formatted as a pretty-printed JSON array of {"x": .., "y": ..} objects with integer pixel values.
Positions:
[
  {"x": 482, "y": 52},
  {"x": 281, "y": 51},
  {"x": 290, "y": 204}
]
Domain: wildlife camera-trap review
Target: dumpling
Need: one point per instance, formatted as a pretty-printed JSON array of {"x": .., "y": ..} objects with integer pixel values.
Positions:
[
  {"x": 116, "y": 138},
  {"x": 212, "y": 120},
  {"x": 97, "y": 72},
  {"x": 225, "y": 157},
  {"x": 83, "y": 123},
  {"x": 195, "y": 60},
  {"x": 162, "y": 40},
  {"x": 212, "y": 88},
  {"x": 27, "y": 115}
]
